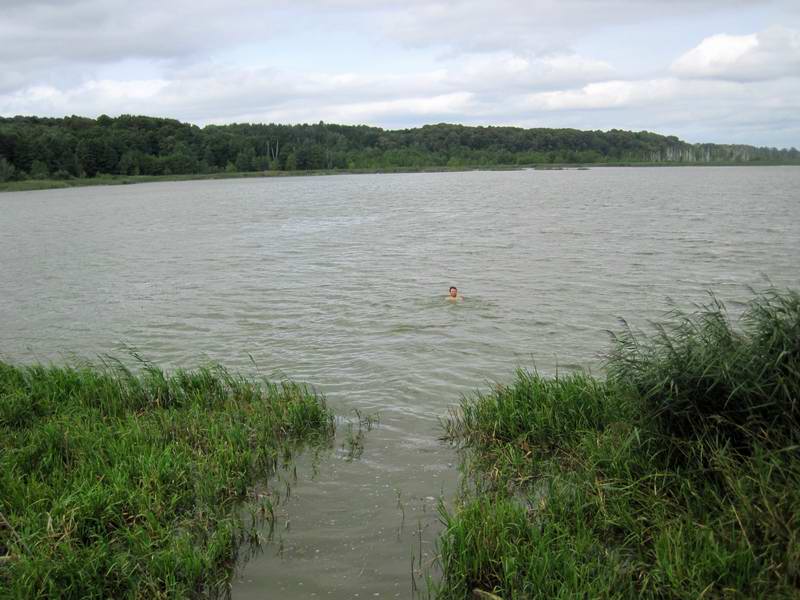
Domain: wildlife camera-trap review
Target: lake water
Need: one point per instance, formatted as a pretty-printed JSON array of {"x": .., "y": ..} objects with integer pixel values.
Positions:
[{"x": 340, "y": 281}]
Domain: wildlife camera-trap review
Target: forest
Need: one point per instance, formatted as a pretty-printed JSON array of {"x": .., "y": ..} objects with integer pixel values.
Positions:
[{"x": 79, "y": 147}]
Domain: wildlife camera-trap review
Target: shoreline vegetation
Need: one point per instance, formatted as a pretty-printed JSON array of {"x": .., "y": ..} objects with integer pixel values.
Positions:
[
  {"x": 676, "y": 476},
  {"x": 115, "y": 484},
  {"x": 45, "y": 184},
  {"x": 40, "y": 152},
  {"x": 26, "y": 185}
]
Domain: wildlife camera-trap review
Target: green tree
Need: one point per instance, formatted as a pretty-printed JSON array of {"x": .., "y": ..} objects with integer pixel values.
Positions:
[
  {"x": 87, "y": 151},
  {"x": 129, "y": 163},
  {"x": 245, "y": 159},
  {"x": 77, "y": 146},
  {"x": 7, "y": 170},
  {"x": 39, "y": 170},
  {"x": 181, "y": 160}
]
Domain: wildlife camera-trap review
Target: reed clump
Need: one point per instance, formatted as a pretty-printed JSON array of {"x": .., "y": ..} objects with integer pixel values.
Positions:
[
  {"x": 677, "y": 476},
  {"x": 703, "y": 377},
  {"x": 122, "y": 484}
]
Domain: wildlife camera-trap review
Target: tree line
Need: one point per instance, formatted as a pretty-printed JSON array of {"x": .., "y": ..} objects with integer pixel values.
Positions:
[{"x": 69, "y": 147}]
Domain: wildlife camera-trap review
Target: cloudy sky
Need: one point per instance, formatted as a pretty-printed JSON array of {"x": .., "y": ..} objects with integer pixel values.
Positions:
[{"x": 724, "y": 71}]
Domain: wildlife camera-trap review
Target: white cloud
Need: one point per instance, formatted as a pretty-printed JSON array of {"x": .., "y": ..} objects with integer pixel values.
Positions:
[
  {"x": 765, "y": 112},
  {"x": 90, "y": 98},
  {"x": 693, "y": 99},
  {"x": 607, "y": 94},
  {"x": 215, "y": 94},
  {"x": 517, "y": 72},
  {"x": 445, "y": 106},
  {"x": 768, "y": 54}
]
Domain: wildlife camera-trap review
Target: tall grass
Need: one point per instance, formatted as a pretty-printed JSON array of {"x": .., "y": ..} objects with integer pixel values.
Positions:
[
  {"x": 677, "y": 477},
  {"x": 115, "y": 484},
  {"x": 702, "y": 376}
]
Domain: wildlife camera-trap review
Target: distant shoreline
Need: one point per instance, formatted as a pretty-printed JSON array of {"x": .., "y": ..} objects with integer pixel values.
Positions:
[{"x": 46, "y": 184}]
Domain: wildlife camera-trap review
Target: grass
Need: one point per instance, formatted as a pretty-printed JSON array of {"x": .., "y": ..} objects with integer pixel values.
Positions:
[
  {"x": 44, "y": 184},
  {"x": 677, "y": 476},
  {"x": 702, "y": 377},
  {"x": 115, "y": 484}
]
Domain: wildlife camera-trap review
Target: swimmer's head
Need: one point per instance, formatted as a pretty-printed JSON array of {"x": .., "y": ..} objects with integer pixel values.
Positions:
[{"x": 453, "y": 291}]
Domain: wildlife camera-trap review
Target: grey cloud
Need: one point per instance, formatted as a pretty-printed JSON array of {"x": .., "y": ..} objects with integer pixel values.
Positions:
[
  {"x": 102, "y": 31},
  {"x": 537, "y": 25},
  {"x": 98, "y": 31},
  {"x": 64, "y": 43}
]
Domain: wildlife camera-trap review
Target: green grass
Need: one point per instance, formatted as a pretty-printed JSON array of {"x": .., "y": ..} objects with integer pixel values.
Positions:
[
  {"x": 45, "y": 184},
  {"x": 115, "y": 484},
  {"x": 676, "y": 477},
  {"x": 702, "y": 377}
]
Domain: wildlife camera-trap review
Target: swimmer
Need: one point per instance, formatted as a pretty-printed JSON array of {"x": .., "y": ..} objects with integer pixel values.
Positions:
[{"x": 453, "y": 294}]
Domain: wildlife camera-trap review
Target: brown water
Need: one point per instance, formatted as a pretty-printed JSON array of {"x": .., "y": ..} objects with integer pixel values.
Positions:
[{"x": 340, "y": 281}]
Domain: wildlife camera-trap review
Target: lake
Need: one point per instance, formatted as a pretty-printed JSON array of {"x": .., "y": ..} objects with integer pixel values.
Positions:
[{"x": 340, "y": 281}]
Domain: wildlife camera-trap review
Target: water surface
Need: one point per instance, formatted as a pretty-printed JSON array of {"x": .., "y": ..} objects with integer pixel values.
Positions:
[{"x": 341, "y": 281}]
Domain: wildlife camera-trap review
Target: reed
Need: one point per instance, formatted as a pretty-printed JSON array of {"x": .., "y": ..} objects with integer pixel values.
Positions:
[
  {"x": 122, "y": 484},
  {"x": 704, "y": 377},
  {"x": 678, "y": 476}
]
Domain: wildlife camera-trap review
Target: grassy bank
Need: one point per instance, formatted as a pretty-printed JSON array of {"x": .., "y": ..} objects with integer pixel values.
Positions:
[
  {"x": 116, "y": 484},
  {"x": 677, "y": 476},
  {"x": 44, "y": 184}
]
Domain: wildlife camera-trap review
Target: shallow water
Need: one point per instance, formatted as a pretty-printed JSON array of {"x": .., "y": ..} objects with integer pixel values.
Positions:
[{"x": 341, "y": 281}]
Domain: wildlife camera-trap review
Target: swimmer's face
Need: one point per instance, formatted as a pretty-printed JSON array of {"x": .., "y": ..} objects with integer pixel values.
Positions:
[{"x": 453, "y": 292}]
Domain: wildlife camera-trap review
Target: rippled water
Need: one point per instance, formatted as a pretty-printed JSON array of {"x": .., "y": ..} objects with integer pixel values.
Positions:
[{"x": 340, "y": 281}]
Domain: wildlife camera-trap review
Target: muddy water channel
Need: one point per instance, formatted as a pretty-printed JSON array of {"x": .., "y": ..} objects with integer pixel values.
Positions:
[{"x": 340, "y": 282}]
